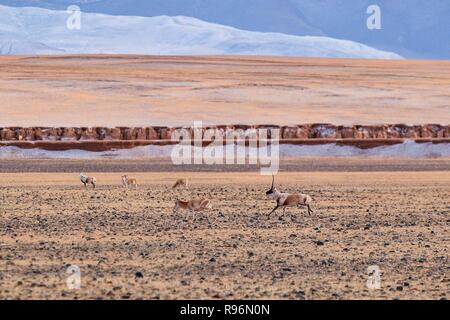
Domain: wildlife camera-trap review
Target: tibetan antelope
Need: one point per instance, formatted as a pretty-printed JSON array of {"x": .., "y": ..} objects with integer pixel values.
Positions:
[
  {"x": 285, "y": 200},
  {"x": 88, "y": 180},
  {"x": 128, "y": 182},
  {"x": 192, "y": 205},
  {"x": 181, "y": 183}
]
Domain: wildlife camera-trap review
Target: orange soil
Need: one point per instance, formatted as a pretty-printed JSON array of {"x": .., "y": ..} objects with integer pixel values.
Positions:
[{"x": 156, "y": 90}]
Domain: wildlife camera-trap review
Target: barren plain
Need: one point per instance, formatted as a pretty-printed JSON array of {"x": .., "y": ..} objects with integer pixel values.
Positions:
[
  {"x": 102, "y": 90},
  {"x": 393, "y": 213},
  {"x": 129, "y": 245}
]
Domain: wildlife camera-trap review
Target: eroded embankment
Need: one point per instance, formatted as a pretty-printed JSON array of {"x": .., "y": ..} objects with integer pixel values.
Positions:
[{"x": 103, "y": 139}]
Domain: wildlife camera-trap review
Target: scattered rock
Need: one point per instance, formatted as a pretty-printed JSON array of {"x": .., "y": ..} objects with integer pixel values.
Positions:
[
  {"x": 184, "y": 282},
  {"x": 305, "y": 131}
]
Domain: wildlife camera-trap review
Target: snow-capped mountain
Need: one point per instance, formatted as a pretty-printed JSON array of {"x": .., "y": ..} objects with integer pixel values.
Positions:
[
  {"x": 25, "y": 30},
  {"x": 411, "y": 28}
]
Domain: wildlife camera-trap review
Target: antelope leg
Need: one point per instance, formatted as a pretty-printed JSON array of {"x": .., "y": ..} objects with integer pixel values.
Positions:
[{"x": 273, "y": 210}]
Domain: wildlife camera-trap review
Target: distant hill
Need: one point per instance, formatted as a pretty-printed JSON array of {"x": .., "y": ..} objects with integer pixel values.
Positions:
[
  {"x": 411, "y": 28},
  {"x": 42, "y": 31}
]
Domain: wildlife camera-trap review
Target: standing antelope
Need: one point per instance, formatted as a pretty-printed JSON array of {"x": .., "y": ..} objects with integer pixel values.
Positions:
[
  {"x": 181, "y": 183},
  {"x": 129, "y": 182},
  {"x": 87, "y": 180},
  {"x": 192, "y": 205},
  {"x": 285, "y": 200}
]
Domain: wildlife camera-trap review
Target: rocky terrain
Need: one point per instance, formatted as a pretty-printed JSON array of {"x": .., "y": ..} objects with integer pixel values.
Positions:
[
  {"x": 128, "y": 244},
  {"x": 390, "y": 211},
  {"x": 104, "y": 139},
  {"x": 305, "y": 131},
  {"x": 295, "y": 164}
]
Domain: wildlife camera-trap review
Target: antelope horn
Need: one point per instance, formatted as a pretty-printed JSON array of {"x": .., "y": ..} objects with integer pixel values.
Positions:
[{"x": 273, "y": 181}]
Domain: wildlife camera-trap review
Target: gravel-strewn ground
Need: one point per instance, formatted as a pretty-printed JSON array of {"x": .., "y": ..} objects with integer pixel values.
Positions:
[
  {"x": 165, "y": 165},
  {"x": 128, "y": 245}
]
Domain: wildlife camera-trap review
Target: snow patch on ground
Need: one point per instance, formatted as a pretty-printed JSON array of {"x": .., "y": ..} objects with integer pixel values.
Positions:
[{"x": 408, "y": 149}]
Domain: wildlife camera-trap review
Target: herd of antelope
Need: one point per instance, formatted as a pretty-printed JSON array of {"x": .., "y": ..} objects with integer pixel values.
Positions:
[{"x": 283, "y": 200}]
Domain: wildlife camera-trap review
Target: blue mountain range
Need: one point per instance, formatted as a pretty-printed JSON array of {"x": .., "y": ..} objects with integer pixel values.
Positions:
[{"x": 410, "y": 28}]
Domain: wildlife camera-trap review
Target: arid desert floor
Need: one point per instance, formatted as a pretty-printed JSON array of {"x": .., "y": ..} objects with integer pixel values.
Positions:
[
  {"x": 120, "y": 90},
  {"x": 129, "y": 245}
]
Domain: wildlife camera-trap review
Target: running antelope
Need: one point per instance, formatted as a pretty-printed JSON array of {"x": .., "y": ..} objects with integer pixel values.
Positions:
[
  {"x": 127, "y": 182},
  {"x": 87, "y": 180},
  {"x": 181, "y": 183},
  {"x": 285, "y": 200},
  {"x": 192, "y": 205}
]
